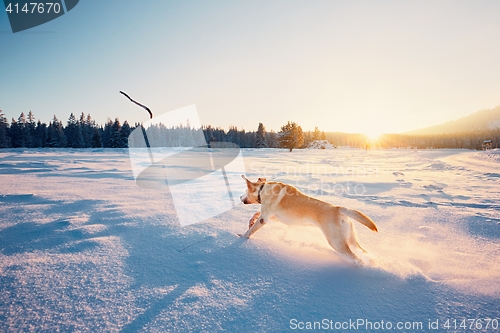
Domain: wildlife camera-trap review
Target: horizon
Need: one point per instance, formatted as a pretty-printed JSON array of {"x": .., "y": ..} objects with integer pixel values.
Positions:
[
  {"x": 215, "y": 126},
  {"x": 367, "y": 68}
]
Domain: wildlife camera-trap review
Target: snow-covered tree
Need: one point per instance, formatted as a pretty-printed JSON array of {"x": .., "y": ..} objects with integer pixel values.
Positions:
[
  {"x": 272, "y": 139},
  {"x": 86, "y": 131},
  {"x": 317, "y": 134},
  {"x": 19, "y": 132},
  {"x": 291, "y": 136},
  {"x": 261, "y": 141},
  {"x": 30, "y": 130},
  {"x": 55, "y": 134}
]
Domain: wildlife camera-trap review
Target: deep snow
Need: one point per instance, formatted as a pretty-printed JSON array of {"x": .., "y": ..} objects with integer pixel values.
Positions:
[{"x": 83, "y": 248}]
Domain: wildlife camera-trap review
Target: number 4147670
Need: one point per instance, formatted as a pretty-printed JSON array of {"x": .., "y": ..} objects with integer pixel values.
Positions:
[
  {"x": 34, "y": 8},
  {"x": 471, "y": 324}
]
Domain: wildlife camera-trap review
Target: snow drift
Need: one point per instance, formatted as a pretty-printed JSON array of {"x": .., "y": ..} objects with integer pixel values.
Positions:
[{"x": 83, "y": 248}]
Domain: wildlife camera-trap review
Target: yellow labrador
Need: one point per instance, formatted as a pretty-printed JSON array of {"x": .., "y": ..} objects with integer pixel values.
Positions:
[{"x": 290, "y": 206}]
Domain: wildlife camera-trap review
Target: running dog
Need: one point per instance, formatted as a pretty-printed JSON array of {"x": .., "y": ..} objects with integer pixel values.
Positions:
[{"x": 290, "y": 206}]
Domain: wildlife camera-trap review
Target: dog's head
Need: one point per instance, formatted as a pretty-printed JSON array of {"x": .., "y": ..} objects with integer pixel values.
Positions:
[{"x": 253, "y": 191}]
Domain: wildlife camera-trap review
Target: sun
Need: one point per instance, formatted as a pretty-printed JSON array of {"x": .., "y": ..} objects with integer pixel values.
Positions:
[{"x": 373, "y": 136}]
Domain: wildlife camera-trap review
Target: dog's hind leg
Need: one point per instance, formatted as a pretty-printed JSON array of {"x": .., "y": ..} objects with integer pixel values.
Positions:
[
  {"x": 343, "y": 248},
  {"x": 353, "y": 239},
  {"x": 348, "y": 252},
  {"x": 338, "y": 241},
  {"x": 359, "y": 246}
]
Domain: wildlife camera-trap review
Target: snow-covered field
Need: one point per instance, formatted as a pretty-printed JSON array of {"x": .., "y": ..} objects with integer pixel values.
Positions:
[{"x": 82, "y": 248}]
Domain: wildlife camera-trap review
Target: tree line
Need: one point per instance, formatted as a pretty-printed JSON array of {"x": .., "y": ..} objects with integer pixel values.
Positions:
[
  {"x": 84, "y": 132},
  {"x": 464, "y": 140}
]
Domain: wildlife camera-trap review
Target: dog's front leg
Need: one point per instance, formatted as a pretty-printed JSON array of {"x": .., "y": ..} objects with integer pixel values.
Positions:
[
  {"x": 255, "y": 226},
  {"x": 253, "y": 219}
]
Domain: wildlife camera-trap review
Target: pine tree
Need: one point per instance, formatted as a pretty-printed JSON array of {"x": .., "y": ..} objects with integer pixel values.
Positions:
[
  {"x": 73, "y": 132},
  {"x": 62, "y": 140},
  {"x": 25, "y": 130},
  {"x": 91, "y": 126},
  {"x": 15, "y": 134},
  {"x": 84, "y": 129},
  {"x": 19, "y": 132},
  {"x": 55, "y": 134},
  {"x": 291, "y": 136},
  {"x": 5, "y": 141},
  {"x": 261, "y": 141},
  {"x": 247, "y": 139},
  {"x": 232, "y": 135},
  {"x": 124, "y": 133},
  {"x": 96, "y": 138},
  {"x": 29, "y": 130},
  {"x": 316, "y": 134},
  {"x": 115, "y": 133},
  {"x": 272, "y": 139},
  {"x": 50, "y": 135},
  {"x": 40, "y": 135},
  {"x": 106, "y": 134}
]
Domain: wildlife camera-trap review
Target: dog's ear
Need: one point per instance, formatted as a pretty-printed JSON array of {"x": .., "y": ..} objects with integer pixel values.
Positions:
[
  {"x": 247, "y": 180},
  {"x": 261, "y": 180}
]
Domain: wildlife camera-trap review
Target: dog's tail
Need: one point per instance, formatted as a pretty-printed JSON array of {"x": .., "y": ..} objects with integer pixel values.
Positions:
[{"x": 358, "y": 216}]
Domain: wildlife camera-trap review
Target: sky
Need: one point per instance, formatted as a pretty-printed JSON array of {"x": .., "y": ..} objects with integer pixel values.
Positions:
[{"x": 352, "y": 66}]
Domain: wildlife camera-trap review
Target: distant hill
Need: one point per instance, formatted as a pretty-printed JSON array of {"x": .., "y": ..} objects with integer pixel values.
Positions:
[{"x": 484, "y": 120}]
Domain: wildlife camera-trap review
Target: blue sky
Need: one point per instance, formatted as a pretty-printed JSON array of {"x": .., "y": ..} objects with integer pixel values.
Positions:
[{"x": 353, "y": 66}]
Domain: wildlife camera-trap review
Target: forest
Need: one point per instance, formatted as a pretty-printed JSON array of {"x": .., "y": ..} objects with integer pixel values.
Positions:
[{"x": 84, "y": 132}]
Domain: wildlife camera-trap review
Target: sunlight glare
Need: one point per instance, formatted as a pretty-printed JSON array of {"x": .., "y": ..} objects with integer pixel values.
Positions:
[{"x": 373, "y": 136}]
